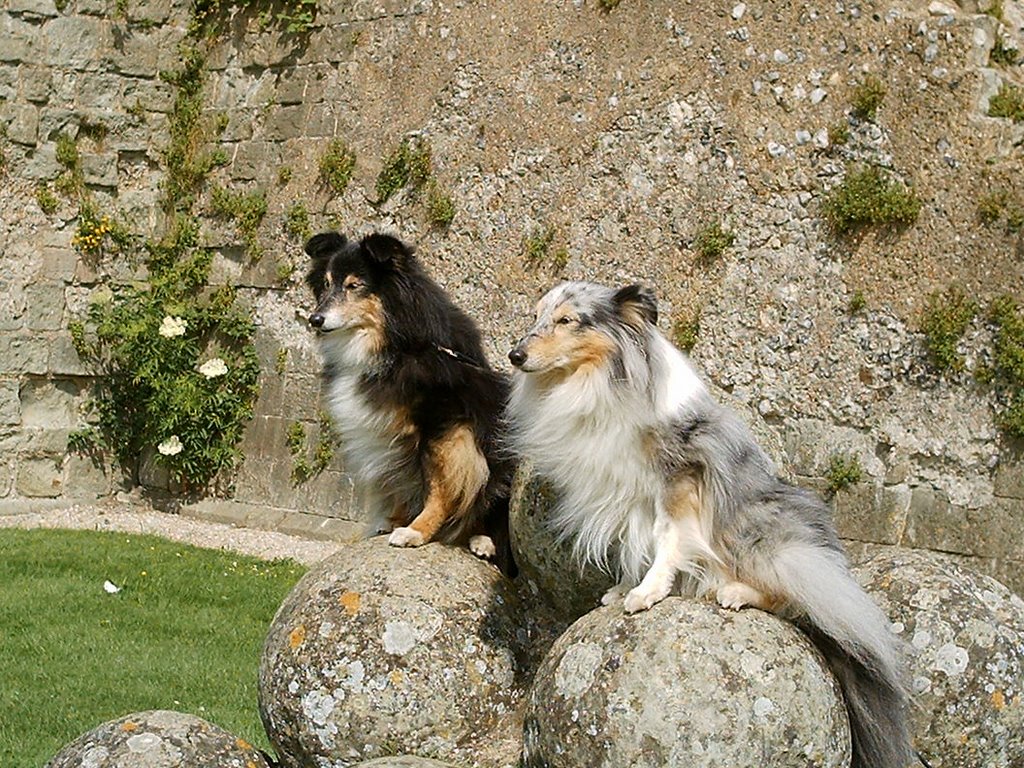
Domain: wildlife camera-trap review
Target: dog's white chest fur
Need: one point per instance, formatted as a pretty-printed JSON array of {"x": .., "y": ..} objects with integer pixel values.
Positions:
[{"x": 370, "y": 439}]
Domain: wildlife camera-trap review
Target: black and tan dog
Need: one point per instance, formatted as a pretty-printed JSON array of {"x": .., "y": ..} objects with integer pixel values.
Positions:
[{"x": 411, "y": 395}]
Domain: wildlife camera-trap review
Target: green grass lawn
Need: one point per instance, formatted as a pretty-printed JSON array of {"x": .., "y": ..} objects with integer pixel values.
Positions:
[{"x": 185, "y": 633}]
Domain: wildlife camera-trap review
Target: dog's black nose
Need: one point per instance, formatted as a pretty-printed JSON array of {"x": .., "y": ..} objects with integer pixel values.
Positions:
[
  {"x": 517, "y": 357},
  {"x": 316, "y": 320}
]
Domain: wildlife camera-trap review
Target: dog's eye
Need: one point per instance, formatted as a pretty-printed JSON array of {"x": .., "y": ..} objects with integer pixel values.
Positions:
[
  {"x": 565, "y": 320},
  {"x": 353, "y": 285}
]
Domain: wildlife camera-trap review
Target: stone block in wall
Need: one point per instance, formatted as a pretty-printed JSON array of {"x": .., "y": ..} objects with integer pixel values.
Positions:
[
  {"x": 6, "y": 478},
  {"x": 35, "y": 84},
  {"x": 39, "y": 478},
  {"x": 10, "y": 402},
  {"x": 869, "y": 512},
  {"x": 22, "y": 123},
  {"x": 156, "y": 11},
  {"x": 239, "y": 126},
  {"x": 12, "y": 304},
  {"x": 151, "y": 95},
  {"x": 333, "y": 43},
  {"x": 64, "y": 360},
  {"x": 809, "y": 444},
  {"x": 99, "y": 92},
  {"x": 100, "y": 170},
  {"x": 286, "y": 122},
  {"x": 42, "y": 165},
  {"x": 935, "y": 523},
  {"x": 23, "y": 353},
  {"x": 50, "y": 403},
  {"x": 998, "y": 529},
  {"x": 253, "y": 159},
  {"x": 320, "y": 121},
  {"x": 44, "y": 306},
  {"x": 74, "y": 42},
  {"x": 20, "y": 39},
  {"x": 8, "y": 83},
  {"x": 1009, "y": 479},
  {"x": 85, "y": 477},
  {"x": 35, "y": 441},
  {"x": 53, "y": 121},
  {"x": 57, "y": 263},
  {"x": 291, "y": 86},
  {"x": 38, "y": 8},
  {"x": 146, "y": 53},
  {"x": 302, "y": 397}
]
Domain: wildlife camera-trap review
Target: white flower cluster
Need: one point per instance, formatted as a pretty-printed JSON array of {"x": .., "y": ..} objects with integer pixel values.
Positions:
[
  {"x": 213, "y": 368},
  {"x": 172, "y": 326},
  {"x": 171, "y": 446}
]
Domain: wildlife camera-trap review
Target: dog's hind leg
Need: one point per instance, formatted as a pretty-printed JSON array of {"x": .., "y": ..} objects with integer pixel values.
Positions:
[
  {"x": 456, "y": 473},
  {"x": 736, "y": 594}
]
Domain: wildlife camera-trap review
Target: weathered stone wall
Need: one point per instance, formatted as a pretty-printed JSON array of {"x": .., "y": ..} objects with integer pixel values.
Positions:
[{"x": 624, "y": 131}]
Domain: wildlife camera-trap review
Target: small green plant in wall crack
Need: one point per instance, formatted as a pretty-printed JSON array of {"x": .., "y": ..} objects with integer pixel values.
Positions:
[
  {"x": 409, "y": 165},
  {"x": 304, "y": 468},
  {"x": 869, "y": 197},
  {"x": 843, "y": 470}
]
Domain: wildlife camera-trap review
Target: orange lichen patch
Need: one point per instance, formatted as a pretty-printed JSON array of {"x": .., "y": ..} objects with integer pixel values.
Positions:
[
  {"x": 129, "y": 726},
  {"x": 242, "y": 744},
  {"x": 297, "y": 636},
  {"x": 998, "y": 700},
  {"x": 396, "y": 676},
  {"x": 350, "y": 602}
]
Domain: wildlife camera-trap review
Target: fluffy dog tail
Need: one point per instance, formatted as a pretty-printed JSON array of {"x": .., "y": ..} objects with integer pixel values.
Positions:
[{"x": 854, "y": 636}]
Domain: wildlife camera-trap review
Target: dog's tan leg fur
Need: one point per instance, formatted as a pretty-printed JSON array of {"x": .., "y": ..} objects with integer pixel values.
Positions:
[
  {"x": 681, "y": 543},
  {"x": 456, "y": 473}
]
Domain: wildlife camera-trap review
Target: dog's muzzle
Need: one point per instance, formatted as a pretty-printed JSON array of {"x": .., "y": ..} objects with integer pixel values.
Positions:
[{"x": 316, "y": 320}]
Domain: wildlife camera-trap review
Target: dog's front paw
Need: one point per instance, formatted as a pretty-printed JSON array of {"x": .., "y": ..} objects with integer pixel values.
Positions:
[
  {"x": 736, "y": 595},
  {"x": 640, "y": 599},
  {"x": 482, "y": 546},
  {"x": 405, "y": 537},
  {"x": 614, "y": 594}
]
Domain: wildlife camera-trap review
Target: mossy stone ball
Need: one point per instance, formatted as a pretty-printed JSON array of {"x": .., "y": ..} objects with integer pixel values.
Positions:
[
  {"x": 381, "y": 650},
  {"x": 685, "y": 684},
  {"x": 964, "y": 635},
  {"x": 158, "y": 739}
]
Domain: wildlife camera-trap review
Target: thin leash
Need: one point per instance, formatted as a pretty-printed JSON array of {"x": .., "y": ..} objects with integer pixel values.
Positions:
[{"x": 464, "y": 359}]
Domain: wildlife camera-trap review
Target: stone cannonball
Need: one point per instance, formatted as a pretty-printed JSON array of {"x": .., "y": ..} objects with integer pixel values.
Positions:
[
  {"x": 379, "y": 650},
  {"x": 158, "y": 739},
  {"x": 403, "y": 761},
  {"x": 684, "y": 684},
  {"x": 964, "y": 635},
  {"x": 547, "y": 568}
]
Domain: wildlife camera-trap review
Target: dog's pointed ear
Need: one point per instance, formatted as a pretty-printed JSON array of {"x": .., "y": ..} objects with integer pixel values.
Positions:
[
  {"x": 324, "y": 244},
  {"x": 637, "y": 304},
  {"x": 385, "y": 249}
]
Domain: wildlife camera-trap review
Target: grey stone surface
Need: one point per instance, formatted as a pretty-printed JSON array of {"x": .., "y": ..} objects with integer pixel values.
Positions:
[
  {"x": 39, "y": 477},
  {"x": 965, "y": 639},
  {"x": 685, "y": 683},
  {"x": 1009, "y": 479},
  {"x": 86, "y": 477},
  {"x": 403, "y": 761},
  {"x": 381, "y": 650},
  {"x": 10, "y": 403},
  {"x": 626, "y": 132},
  {"x": 548, "y": 569},
  {"x": 158, "y": 739},
  {"x": 50, "y": 403}
]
